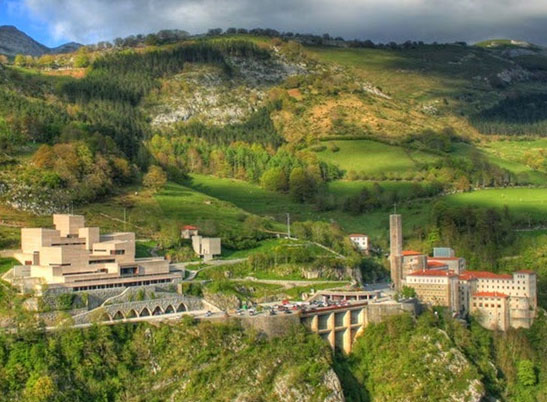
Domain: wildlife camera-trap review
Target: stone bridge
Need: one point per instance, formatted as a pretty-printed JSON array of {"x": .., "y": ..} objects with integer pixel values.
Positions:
[
  {"x": 145, "y": 308},
  {"x": 340, "y": 325}
]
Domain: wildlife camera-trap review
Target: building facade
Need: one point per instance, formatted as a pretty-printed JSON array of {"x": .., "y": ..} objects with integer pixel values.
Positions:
[
  {"x": 206, "y": 247},
  {"x": 436, "y": 287},
  {"x": 360, "y": 241},
  {"x": 80, "y": 258},
  {"x": 499, "y": 301}
]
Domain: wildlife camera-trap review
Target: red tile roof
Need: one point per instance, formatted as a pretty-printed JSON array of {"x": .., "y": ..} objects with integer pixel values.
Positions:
[
  {"x": 483, "y": 275},
  {"x": 433, "y": 272},
  {"x": 189, "y": 227},
  {"x": 526, "y": 271},
  {"x": 436, "y": 264},
  {"x": 489, "y": 294},
  {"x": 357, "y": 235},
  {"x": 410, "y": 252}
]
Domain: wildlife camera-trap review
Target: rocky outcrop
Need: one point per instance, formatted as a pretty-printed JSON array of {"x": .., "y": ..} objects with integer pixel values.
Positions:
[
  {"x": 287, "y": 392},
  {"x": 207, "y": 95}
]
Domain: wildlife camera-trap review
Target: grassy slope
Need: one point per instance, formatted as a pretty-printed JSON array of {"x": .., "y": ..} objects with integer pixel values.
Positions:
[
  {"x": 524, "y": 203},
  {"x": 373, "y": 157}
]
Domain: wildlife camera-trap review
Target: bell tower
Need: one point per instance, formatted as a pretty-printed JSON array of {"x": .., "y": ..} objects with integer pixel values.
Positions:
[{"x": 396, "y": 249}]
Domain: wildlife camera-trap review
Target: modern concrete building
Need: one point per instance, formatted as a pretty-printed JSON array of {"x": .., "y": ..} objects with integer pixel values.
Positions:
[
  {"x": 77, "y": 257},
  {"x": 360, "y": 241},
  {"x": 206, "y": 247}
]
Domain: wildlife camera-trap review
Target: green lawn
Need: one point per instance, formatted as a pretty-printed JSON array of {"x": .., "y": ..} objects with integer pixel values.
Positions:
[
  {"x": 146, "y": 213},
  {"x": 524, "y": 203},
  {"x": 6, "y": 264},
  {"x": 374, "y": 158}
]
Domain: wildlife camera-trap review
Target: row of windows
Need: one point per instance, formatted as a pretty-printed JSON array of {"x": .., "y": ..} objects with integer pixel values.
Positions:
[{"x": 486, "y": 305}]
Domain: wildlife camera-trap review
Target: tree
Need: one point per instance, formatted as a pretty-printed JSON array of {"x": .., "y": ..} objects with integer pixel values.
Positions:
[
  {"x": 462, "y": 184},
  {"x": 302, "y": 186},
  {"x": 155, "y": 178},
  {"x": 526, "y": 373},
  {"x": 407, "y": 292},
  {"x": 274, "y": 179},
  {"x": 82, "y": 58},
  {"x": 19, "y": 60}
]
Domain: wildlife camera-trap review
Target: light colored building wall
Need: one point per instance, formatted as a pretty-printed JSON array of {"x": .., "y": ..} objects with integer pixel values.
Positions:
[
  {"x": 68, "y": 225},
  {"x": 91, "y": 236},
  {"x": 491, "y": 309}
]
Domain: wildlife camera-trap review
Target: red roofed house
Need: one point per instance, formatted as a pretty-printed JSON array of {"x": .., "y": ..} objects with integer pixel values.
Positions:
[
  {"x": 520, "y": 287},
  {"x": 360, "y": 241},
  {"x": 187, "y": 231},
  {"x": 491, "y": 309}
]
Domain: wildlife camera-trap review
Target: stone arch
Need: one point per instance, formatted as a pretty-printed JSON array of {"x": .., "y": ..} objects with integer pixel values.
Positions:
[
  {"x": 181, "y": 308},
  {"x": 170, "y": 309},
  {"x": 105, "y": 317},
  {"x": 157, "y": 311},
  {"x": 131, "y": 314},
  {"x": 145, "y": 312},
  {"x": 118, "y": 316}
]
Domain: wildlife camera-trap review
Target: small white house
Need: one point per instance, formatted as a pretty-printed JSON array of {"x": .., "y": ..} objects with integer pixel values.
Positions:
[
  {"x": 360, "y": 241},
  {"x": 188, "y": 231}
]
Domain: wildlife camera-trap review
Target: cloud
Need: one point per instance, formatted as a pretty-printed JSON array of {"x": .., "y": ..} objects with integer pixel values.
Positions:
[{"x": 380, "y": 20}]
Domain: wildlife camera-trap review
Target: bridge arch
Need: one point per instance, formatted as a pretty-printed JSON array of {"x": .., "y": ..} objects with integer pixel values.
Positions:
[
  {"x": 131, "y": 314},
  {"x": 118, "y": 316},
  {"x": 169, "y": 310},
  {"x": 181, "y": 307},
  {"x": 157, "y": 311},
  {"x": 145, "y": 312}
]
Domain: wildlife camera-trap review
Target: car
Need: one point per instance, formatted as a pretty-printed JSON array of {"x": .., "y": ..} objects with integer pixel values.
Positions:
[
  {"x": 252, "y": 313},
  {"x": 208, "y": 314},
  {"x": 288, "y": 312},
  {"x": 272, "y": 312}
]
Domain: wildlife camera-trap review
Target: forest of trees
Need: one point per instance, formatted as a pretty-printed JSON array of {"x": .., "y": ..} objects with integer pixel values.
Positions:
[{"x": 518, "y": 115}]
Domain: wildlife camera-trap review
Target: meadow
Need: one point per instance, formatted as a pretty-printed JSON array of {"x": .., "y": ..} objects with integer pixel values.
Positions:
[
  {"x": 526, "y": 204},
  {"x": 374, "y": 158}
]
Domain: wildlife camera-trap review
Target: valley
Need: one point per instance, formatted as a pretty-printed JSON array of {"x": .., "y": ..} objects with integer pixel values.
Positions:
[{"x": 282, "y": 149}]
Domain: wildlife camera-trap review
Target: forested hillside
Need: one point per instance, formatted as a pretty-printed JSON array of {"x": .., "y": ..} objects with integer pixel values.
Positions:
[{"x": 231, "y": 132}]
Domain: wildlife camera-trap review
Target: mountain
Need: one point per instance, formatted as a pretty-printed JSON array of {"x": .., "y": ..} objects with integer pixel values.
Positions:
[{"x": 14, "y": 41}]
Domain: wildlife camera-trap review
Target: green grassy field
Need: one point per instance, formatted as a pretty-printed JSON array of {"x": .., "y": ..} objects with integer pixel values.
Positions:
[
  {"x": 146, "y": 213},
  {"x": 374, "y": 158},
  {"x": 258, "y": 201},
  {"x": 523, "y": 203},
  {"x": 244, "y": 195}
]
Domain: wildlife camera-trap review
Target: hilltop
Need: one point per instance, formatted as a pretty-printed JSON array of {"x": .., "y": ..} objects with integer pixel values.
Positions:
[{"x": 14, "y": 41}]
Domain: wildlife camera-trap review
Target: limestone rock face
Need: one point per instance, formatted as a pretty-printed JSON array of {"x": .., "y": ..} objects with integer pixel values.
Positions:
[{"x": 287, "y": 393}]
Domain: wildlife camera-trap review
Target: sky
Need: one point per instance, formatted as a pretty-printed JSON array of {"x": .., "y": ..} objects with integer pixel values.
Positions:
[{"x": 53, "y": 22}]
